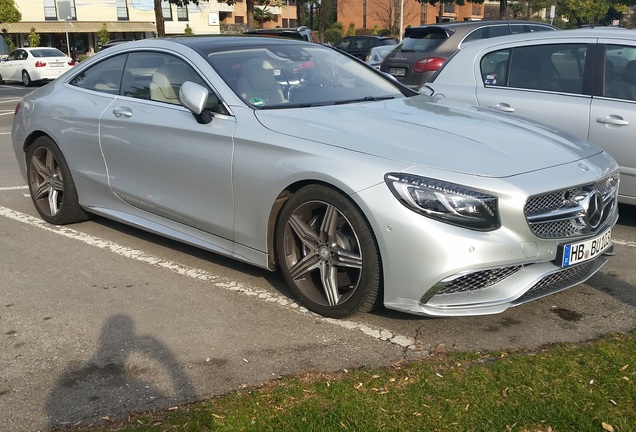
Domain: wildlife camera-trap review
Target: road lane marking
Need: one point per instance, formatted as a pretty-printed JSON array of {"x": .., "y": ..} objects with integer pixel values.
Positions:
[
  {"x": 7, "y": 188},
  {"x": 199, "y": 274}
]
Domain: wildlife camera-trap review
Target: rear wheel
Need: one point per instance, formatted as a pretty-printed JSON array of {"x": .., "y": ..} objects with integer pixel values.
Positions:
[
  {"x": 26, "y": 79},
  {"x": 327, "y": 253},
  {"x": 51, "y": 184}
]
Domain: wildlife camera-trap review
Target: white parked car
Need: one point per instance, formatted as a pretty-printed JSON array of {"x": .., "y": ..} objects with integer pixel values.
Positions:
[{"x": 29, "y": 65}]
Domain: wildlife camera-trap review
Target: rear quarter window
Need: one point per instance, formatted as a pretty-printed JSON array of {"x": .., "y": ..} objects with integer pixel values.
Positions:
[{"x": 423, "y": 40}]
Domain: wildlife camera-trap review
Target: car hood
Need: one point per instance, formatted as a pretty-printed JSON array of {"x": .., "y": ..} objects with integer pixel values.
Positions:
[{"x": 438, "y": 134}]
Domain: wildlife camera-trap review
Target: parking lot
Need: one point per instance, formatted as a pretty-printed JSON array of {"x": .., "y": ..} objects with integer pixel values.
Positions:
[{"x": 98, "y": 319}]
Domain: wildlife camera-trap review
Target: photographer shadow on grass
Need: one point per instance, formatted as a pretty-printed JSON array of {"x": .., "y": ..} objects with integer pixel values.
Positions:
[{"x": 128, "y": 373}]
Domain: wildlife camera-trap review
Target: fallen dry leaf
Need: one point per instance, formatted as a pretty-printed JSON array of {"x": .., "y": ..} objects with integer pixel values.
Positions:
[{"x": 607, "y": 427}]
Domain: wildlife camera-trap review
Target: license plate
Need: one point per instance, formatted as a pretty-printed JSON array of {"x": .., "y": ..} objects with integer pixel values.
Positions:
[
  {"x": 397, "y": 71},
  {"x": 576, "y": 253},
  {"x": 56, "y": 65}
]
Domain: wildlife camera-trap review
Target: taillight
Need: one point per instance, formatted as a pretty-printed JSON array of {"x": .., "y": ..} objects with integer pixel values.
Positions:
[
  {"x": 71, "y": 63},
  {"x": 40, "y": 64},
  {"x": 428, "y": 64},
  {"x": 17, "y": 108}
]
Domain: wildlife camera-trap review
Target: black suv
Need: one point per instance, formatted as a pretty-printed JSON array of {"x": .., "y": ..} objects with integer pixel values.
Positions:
[
  {"x": 360, "y": 46},
  {"x": 302, "y": 32},
  {"x": 425, "y": 48}
]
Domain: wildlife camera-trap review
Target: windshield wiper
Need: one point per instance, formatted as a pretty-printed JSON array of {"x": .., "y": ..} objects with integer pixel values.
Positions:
[{"x": 365, "y": 99}]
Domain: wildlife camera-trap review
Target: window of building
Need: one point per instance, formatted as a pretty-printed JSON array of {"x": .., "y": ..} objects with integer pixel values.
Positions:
[
  {"x": 449, "y": 8},
  {"x": 60, "y": 10},
  {"x": 122, "y": 10},
  {"x": 182, "y": 13},
  {"x": 166, "y": 11},
  {"x": 239, "y": 20}
]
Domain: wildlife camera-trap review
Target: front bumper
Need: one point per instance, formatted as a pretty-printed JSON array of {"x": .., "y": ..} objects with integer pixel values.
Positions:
[{"x": 431, "y": 268}]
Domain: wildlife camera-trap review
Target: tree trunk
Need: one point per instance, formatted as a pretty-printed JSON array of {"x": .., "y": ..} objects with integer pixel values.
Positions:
[
  {"x": 249, "y": 4},
  {"x": 161, "y": 28},
  {"x": 502, "y": 9}
]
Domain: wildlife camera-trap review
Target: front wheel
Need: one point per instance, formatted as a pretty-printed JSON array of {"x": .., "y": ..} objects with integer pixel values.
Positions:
[
  {"x": 26, "y": 79},
  {"x": 51, "y": 184},
  {"x": 327, "y": 253}
]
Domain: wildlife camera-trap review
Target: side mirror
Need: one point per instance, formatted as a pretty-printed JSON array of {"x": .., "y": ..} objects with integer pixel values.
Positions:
[{"x": 195, "y": 98}]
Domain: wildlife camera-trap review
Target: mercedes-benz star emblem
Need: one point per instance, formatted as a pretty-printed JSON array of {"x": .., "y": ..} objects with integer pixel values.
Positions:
[{"x": 593, "y": 206}]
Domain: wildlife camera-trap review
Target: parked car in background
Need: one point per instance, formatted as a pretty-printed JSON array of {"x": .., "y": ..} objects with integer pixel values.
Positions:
[
  {"x": 377, "y": 54},
  {"x": 295, "y": 156},
  {"x": 580, "y": 81},
  {"x": 29, "y": 65},
  {"x": 360, "y": 46},
  {"x": 425, "y": 48},
  {"x": 302, "y": 33}
]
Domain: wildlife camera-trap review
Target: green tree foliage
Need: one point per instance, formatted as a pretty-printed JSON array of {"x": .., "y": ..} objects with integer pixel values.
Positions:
[
  {"x": 262, "y": 15},
  {"x": 103, "y": 35},
  {"x": 188, "y": 30},
  {"x": 333, "y": 34},
  {"x": 9, "y": 13},
  {"x": 34, "y": 38},
  {"x": 351, "y": 31},
  {"x": 592, "y": 12}
]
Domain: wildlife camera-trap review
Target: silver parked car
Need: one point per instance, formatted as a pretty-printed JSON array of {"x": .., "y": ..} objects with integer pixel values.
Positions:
[
  {"x": 581, "y": 81},
  {"x": 424, "y": 49},
  {"x": 294, "y": 156}
]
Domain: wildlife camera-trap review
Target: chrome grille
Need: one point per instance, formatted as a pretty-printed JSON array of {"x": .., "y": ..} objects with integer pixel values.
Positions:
[
  {"x": 561, "y": 214},
  {"x": 559, "y": 281},
  {"x": 478, "y": 280}
]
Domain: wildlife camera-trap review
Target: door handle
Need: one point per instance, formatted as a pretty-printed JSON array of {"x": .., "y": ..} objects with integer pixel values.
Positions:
[
  {"x": 613, "y": 120},
  {"x": 122, "y": 112},
  {"x": 504, "y": 107}
]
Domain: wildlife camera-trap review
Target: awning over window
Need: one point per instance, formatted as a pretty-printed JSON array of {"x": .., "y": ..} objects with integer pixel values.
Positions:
[{"x": 78, "y": 27}]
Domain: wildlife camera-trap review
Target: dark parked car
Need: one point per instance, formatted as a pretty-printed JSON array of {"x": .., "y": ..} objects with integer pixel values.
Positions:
[
  {"x": 302, "y": 32},
  {"x": 360, "y": 46},
  {"x": 425, "y": 48}
]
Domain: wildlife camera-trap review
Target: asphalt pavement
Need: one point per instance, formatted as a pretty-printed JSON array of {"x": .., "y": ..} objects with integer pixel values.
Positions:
[{"x": 98, "y": 320}]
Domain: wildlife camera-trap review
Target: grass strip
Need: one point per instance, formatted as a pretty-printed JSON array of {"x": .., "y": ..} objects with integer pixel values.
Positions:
[{"x": 565, "y": 387}]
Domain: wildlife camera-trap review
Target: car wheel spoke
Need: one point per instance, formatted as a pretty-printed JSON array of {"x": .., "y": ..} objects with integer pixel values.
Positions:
[
  {"x": 304, "y": 232},
  {"x": 329, "y": 276}
]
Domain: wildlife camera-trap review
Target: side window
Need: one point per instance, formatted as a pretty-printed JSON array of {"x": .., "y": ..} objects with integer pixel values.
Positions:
[
  {"x": 548, "y": 67},
  {"x": 103, "y": 77},
  {"x": 620, "y": 72},
  {"x": 494, "y": 68},
  {"x": 499, "y": 30},
  {"x": 479, "y": 33},
  {"x": 166, "y": 79}
]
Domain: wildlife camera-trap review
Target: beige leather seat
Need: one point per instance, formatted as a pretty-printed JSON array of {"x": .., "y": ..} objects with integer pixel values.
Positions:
[
  {"x": 257, "y": 84},
  {"x": 166, "y": 82}
]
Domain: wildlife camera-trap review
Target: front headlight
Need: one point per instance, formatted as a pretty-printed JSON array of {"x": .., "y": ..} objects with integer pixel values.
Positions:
[{"x": 446, "y": 202}]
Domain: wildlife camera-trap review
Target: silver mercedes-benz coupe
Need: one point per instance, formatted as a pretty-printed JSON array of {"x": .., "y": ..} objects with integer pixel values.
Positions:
[{"x": 293, "y": 156}]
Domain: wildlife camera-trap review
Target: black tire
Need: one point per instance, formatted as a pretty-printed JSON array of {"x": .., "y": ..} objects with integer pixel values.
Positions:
[
  {"x": 51, "y": 184},
  {"x": 26, "y": 79},
  {"x": 1, "y": 80},
  {"x": 337, "y": 250}
]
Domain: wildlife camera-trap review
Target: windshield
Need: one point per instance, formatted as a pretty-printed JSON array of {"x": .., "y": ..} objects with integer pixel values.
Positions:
[{"x": 300, "y": 75}]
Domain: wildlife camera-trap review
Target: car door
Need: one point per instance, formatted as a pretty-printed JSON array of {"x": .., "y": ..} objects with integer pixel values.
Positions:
[
  {"x": 158, "y": 157},
  {"x": 547, "y": 83},
  {"x": 613, "y": 113},
  {"x": 12, "y": 66}
]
